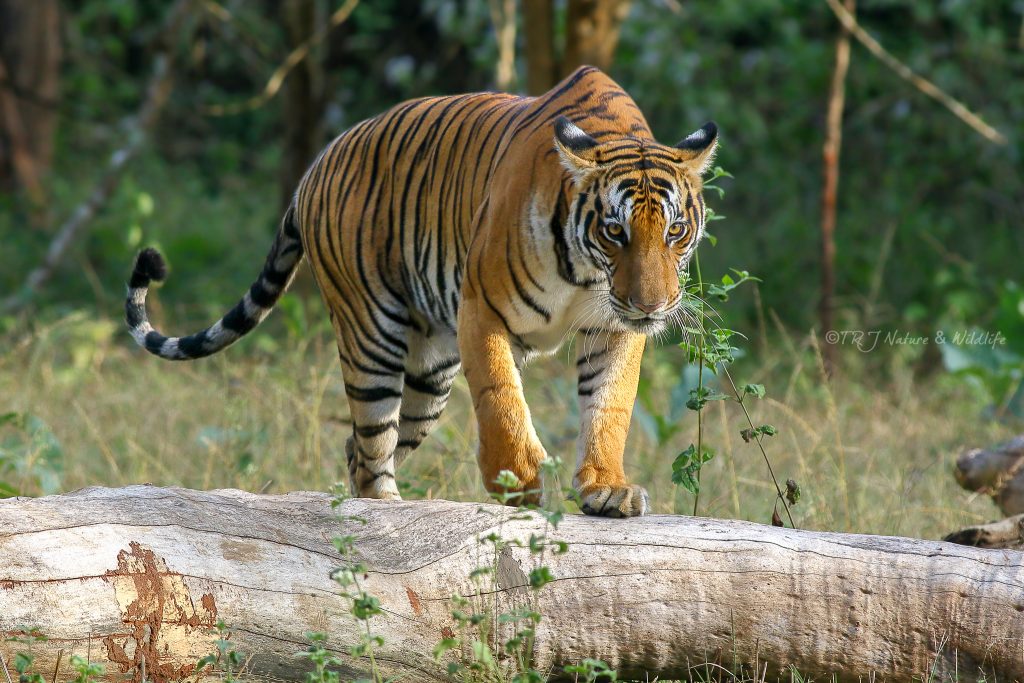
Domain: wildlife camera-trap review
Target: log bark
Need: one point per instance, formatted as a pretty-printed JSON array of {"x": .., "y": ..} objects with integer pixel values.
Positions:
[{"x": 138, "y": 575}]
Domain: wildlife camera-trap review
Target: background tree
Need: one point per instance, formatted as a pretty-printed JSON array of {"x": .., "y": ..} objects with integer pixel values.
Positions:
[
  {"x": 303, "y": 97},
  {"x": 30, "y": 57}
]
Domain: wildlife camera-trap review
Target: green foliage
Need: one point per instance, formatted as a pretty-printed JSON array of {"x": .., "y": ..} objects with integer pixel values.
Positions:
[
  {"x": 86, "y": 671},
  {"x": 686, "y": 467},
  {"x": 592, "y": 670},
  {"x": 362, "y": 605},
  {"x": 225, "y": 662},
  {"x": 498, "y": 646},
  {"x": 31, "y": 457},
  {"x": 322, "y": 660},
  {"x": 711, "y": 348},
  {"x": 992, "y": 359}
]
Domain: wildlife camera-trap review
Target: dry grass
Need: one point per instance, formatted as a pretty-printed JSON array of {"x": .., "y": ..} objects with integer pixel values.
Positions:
[{"x": 872, "y": 452}]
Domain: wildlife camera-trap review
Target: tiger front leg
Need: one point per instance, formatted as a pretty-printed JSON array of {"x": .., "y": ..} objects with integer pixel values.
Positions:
[
  {"x": 508, "y": 440},
  {"x": 608, "y": 369}
]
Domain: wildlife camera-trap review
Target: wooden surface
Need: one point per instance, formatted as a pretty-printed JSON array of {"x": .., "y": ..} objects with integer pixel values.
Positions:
[{"x": 141, "y": 573}]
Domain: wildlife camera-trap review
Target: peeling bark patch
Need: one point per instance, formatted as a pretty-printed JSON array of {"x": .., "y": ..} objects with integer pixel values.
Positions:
[
  {"x": 414, "y": 601},
  {"x": 160, "y": 614}
]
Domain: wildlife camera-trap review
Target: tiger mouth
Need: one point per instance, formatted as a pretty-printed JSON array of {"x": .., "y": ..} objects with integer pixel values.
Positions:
[{"x": 648, "y": 324}]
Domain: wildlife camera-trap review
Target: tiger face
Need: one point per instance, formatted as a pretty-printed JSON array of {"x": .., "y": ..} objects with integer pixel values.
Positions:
[{"x": 638, "y": 215}]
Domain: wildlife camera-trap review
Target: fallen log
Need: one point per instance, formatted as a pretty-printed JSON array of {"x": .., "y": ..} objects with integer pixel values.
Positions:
[
  {"x": 137, "y": 577},
  {"x": 1006, "y": 533},
  {"x": 996, "y": 471}
]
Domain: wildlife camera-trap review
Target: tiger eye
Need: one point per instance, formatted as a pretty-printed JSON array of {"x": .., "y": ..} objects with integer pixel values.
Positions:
[
  {"x": 614, "y": 229},
  {"x": 675, "y": 230}
]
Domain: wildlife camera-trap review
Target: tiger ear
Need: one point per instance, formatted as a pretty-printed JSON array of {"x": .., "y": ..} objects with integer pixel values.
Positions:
[
  {"x": 577, "y": 150},
  {"x": 698, "y": 148}
]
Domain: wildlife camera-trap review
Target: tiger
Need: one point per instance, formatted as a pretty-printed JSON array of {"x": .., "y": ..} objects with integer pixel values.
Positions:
[{"x": 472, "y": 233}]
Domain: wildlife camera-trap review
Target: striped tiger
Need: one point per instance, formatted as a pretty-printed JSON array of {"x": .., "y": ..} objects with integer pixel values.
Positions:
[{"x": 474, "y": 232}]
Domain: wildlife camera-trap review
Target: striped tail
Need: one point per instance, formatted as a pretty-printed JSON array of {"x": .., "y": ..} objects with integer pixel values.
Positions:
[{"x": 278, "y": 271}]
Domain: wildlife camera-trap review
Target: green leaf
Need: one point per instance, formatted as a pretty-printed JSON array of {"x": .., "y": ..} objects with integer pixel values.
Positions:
[
  {"x": 540, "y": 577},
  {"x": 755, "y": 390},
  {"x": 22, "y": 662},
  {"x": 686, "y": 466},
  {"x": 793, "y": 491},
  {"x": 445, "y": 645},
  {"x": 507, "y": 479},
  {"x": 763, "y": 430}
]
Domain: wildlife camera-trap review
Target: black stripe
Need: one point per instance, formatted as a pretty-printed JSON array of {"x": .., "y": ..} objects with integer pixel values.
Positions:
[
  {"x": 369, "y": 431},
  {"x": 237, "y": 320},
  {"x": 425, "y": 387},
  {"x": 370, "y": 394}
]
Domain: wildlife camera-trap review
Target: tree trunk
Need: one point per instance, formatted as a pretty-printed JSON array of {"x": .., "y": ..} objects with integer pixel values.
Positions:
[
  {"x": 30, "y": 54},
  {"x": 541, "y": 63},
  {"x": 592, "y": 33},
  {"x": 503, "y": 16},
  {"x": 303, "y": 99},
  {"x": 830, "y": 186},
  {"x": 137, "y": 576}
]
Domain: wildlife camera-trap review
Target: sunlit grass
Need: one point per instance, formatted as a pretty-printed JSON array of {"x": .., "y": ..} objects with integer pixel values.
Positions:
[{"x": 872, "y": 451}]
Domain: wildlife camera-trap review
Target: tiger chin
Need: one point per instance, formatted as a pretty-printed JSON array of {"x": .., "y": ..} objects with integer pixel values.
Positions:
[{"x": 469, "y": 233}]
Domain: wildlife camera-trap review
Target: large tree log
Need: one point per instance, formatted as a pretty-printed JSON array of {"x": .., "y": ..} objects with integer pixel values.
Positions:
[
  {"x": 140, "y": 574},
  {"x": 1006, "y": 533}
]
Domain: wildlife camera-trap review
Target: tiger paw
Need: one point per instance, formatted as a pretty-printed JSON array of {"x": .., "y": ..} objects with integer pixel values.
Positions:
[
  {"x": 615, "y": 501},
  {"x": 382, "y": 488}
]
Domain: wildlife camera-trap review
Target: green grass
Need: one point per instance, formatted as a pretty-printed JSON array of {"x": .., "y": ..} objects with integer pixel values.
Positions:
[{"x": 872, "y": 452}]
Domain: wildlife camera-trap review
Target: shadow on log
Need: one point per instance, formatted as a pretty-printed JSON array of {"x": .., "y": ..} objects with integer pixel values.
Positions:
[{"x": 140, "y": 574}]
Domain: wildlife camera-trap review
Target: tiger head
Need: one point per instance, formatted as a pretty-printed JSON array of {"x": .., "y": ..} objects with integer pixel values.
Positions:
[{"x": 638, "y": 215}]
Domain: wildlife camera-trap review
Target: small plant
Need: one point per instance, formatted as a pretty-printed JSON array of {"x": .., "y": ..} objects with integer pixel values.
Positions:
[
  {"x": 322, "y": 658},
  {"x": 592, "y": 670},
  {"x": 711, "y": 350},
  {"x": 86, "y": 671},
  {"x": 226, "y": 661},
  {"x": 27, "y": 636},
  {"x": 499, "y": 645},
  {"x": 363, "y": 605}
]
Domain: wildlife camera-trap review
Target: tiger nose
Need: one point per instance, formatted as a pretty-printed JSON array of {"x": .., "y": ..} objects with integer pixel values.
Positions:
[{"x": 652, "y": 307}]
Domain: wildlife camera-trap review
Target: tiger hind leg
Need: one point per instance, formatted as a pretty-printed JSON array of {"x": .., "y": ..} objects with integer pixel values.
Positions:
[
  {"x": 373, "y": 385},
  {"x": 430, "y": 369}
]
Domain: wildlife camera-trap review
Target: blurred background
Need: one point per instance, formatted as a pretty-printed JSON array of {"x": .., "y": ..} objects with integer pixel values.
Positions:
[{"x": 877, "y": 187}]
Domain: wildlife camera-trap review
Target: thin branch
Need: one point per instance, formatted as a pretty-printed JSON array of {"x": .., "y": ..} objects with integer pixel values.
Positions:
[
  {"x": 3, "y": 665},
  {"x": 919, "y": 82},
  {"x": 293, "y": 59},
  {"x": 830, "y": 184},
  {"x": 157, "y": 92}
]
